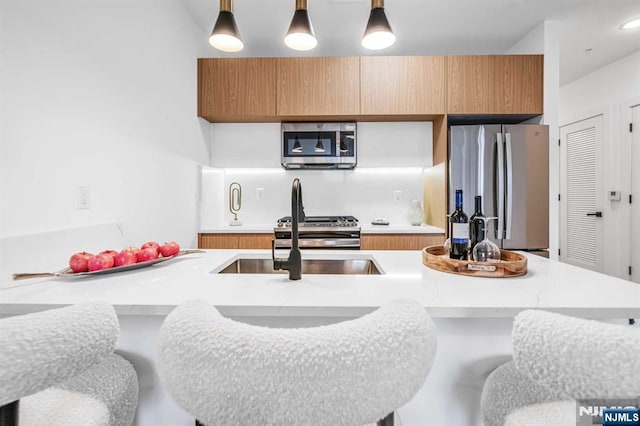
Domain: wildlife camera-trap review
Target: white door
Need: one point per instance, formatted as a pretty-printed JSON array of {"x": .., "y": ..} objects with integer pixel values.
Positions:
[
  {"x": 635, "y": 191},
  {"x": 582, "y": 194}
]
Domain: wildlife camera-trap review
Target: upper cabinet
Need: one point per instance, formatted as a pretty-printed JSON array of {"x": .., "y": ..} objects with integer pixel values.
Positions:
[
  {"x": 405, "y": 85},
  {"x": 495, "y": 84},
  {"x": 237, "y": 89},
  {"x": 518, "y": 84},
  {"x": 317, "y": 86},
  {"x": 368, "y": 87},
  {"x": 470, "y": 81}
]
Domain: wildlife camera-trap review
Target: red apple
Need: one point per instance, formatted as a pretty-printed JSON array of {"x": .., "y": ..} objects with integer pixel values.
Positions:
[
  {"x": 131, "y": 249},
  {"x": 148, "y": 253},
  {"x": 99, "y": 262},
  {"x": 150, "y": 244},
  {"x": 169, "y": 249},
  {"x": 125, "y": 257},
  {"x": 78, "y": 261},
  {"x": 111, "y": 253}
]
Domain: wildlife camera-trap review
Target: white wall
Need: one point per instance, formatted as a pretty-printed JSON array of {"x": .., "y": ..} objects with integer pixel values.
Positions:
[
  {"x": 391, "y": 157},
  {"x": 544, "y": 39},
  {"x": 610, "y": 91},
  {"x": 100, "y": 94}
]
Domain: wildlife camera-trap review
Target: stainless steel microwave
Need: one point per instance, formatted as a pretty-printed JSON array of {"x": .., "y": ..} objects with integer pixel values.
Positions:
[{"x": 319, "y": 145}]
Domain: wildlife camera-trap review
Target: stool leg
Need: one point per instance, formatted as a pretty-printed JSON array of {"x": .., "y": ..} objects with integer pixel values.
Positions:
[
  {"x": 9, "y": 414},
  {"x": 387, "y": 421}
]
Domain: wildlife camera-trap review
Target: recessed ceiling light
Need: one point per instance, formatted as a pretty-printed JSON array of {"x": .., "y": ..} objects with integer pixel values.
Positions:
[{"x": 629, "y": 25}]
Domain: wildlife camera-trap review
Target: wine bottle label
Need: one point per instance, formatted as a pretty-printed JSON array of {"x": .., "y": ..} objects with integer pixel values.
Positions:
[{"x": 460, "y": 233}]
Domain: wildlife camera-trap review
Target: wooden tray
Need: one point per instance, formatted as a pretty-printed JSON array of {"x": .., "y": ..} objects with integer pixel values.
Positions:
[{"x": 510, "y": 265}]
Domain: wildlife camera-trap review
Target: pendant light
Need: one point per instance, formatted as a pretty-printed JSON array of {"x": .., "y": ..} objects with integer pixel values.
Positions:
[
  {"x": 378, "y": 34},
  {"x": 296, "y": 146},
  {"x": 319, "y": 146},
  {"x": 225, "y": 35},
  {"x": 300, "y": 35}
]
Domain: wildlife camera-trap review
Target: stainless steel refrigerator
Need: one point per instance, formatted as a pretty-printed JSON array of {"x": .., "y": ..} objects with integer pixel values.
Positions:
[{"x": 509, "y": 166}]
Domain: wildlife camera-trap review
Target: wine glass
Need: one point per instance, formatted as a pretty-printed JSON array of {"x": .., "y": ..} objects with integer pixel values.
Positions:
[{"x": 486, "y": 250}]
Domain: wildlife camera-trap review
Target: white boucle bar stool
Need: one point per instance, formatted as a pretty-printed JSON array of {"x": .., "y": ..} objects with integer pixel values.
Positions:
[
  {"x": 58, "y": 368},
  {"x": 557, "y": 360},
  {"x": 355, "y": 372}
]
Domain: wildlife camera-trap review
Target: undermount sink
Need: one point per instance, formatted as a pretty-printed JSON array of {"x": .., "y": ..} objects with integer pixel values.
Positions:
[{"x": 309, "y": 266}]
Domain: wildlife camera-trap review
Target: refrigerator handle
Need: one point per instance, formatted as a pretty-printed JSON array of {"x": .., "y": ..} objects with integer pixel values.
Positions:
[
  {"x": 509, "y": 203},
  {"x": 500, "y": 146}
]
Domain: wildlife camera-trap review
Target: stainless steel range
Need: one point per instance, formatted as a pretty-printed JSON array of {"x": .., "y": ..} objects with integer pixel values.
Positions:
[{"x": 320, "y": 232}]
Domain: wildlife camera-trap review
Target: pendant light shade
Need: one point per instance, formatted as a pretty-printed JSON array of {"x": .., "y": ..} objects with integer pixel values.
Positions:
[
  {"x": 300, "y": 35},
  {"x": 296, "y": 146},
  {"x": 378, "y": 34},
  {"x": 319, "y": 146},
  {"x": 225, "y": 35}
]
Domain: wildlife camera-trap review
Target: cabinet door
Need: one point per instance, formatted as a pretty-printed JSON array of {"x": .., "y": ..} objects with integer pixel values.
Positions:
[
  {"x": 407, "y": 85},
  {"x": 255, "y": 241},
  {"x": 518, "y": 82},
  {"x": 237, "y": 89},
  {"x": 400, "y": 241},
  {"x": 235, "y": 241},
  {"x": 470, "y": 84},
  {"x": 218, "y": 241},
  {"x": 318, "y": 86}
]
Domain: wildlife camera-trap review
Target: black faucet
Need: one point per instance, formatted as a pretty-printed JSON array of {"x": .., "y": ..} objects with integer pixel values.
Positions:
[{"x": 293, "y": 263}]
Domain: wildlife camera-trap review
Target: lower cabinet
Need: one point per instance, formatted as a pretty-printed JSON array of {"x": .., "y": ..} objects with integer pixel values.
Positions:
[
  {"x": 234, "y": 241},
  {"x": 368, "y": 241},
  {"x": 400, "y": 241}
]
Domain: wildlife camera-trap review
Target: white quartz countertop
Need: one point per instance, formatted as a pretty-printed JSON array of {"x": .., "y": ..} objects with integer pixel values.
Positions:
[
  {"x": 156, "y": 290},
  {"x": 366, "y": 228}
]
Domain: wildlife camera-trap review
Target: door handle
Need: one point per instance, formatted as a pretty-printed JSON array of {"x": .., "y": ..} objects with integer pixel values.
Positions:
[
  {"x": 509, "y": 200},
  {"x": 596, "y": 214},
  {"x": 501, "y": 184}
]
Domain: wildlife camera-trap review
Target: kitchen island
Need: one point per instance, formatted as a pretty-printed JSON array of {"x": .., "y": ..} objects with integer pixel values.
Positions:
[{"x": 473, "y": 315}]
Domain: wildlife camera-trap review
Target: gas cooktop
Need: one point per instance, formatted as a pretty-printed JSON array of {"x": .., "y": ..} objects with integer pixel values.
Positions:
[{"x": 320, "y": 221}]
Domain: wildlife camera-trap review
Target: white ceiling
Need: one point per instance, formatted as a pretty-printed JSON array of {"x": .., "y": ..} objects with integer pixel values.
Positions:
[{"x": 427, "y": 27}]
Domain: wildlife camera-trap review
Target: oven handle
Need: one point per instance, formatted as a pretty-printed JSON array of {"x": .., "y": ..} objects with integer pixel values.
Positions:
[{"x": 320, "y": 243}]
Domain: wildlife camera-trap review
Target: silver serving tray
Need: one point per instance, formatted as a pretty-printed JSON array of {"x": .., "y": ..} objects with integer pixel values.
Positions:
[{"x": 67, "y": 272}]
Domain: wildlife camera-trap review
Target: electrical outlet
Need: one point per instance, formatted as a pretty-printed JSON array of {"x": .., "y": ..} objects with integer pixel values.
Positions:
[
  {"x": 397, "y": 195},
  {"x": 83, "y": 197},
  {"x": 259, "y": 193}
]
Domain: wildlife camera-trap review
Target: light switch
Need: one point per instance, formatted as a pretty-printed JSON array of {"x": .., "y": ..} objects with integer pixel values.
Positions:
[{"x": 83, "y": 198}]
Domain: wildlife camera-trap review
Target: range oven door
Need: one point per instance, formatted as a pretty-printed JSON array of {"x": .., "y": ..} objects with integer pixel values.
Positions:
[{"x": 315, "y": 240}]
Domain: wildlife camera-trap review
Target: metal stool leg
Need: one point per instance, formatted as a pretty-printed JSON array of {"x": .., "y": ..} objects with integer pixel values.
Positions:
[
  {"x": 387, "y": 421},
  {"x": 9, "y": 414}
]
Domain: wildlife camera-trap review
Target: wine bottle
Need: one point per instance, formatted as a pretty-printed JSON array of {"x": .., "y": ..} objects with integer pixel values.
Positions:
[
  {"x": 459, "y": 230},
  {"x": 476, "y": 224}
]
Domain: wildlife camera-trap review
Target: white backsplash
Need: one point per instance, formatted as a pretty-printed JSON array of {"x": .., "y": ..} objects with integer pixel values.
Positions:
[{"x": 391, "y": 157}]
